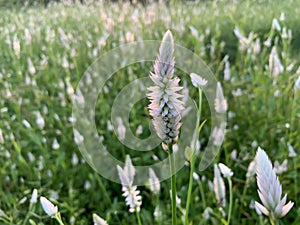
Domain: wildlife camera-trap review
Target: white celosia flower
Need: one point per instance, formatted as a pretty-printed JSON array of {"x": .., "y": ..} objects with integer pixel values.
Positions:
[
  {"x": 269, "y": 188},
  {"x": 227, "y": 172},
  {"x": 139, "y": 130},
  {"x": 34, "y": 196},
  {"x": 78, "y": 138},
  {"x": 153, "y": 182},
  {"x": 26, "y": 124},
  {"x": 16, "y": 46},
  {"x": 55, "y": 144},
  {"x": 40, "y": 122},
  {"x": 292, "y": 152},
  {"x": 276, "y": 25},
  {"x": 218, "y": 135},
  {"x": 48, "y": 207},
  {"x": 242, "y": 39},
  {"x": 275, "y": 64},
  {"x": 197, "y": 80},
  {"x": 98, "y": 220},
  {"x": 165, "y": 104},
  {"x": 251, "y": 169},
  {"x": 31, "y": 68},
  {"x": 220, "y": 102},
  {"x": 280, "y": 168},
  {"x": 121, "y": 129},
  {"x": 219, "y": 187},
  {"x": 282, "y": 16},
  {"x": 130, "y": 192},
  {"x": 207, "y": 213},
  {"x": 256, "y": 46}
]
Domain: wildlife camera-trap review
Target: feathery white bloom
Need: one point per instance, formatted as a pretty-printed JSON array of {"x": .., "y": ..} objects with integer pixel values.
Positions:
[
  {"x": 130, "y": 192},
  {"x": 34, "y": 196},
  {"x": 153, "y": 182},
  {"x": 78, "y": 138},
  {"x": 227, "y": 172},
  {"x": 55, "y": 144},
  {"x": 31, "y": 68},
  {"x": 275, "y": 64},
  {"x": 251, "y": 169},
  {"x": 98, "y": 220},
  {"x": 40, "y": 122},
  {"x": 276, "y": 25},
  {"x": 48, "y": 207},
  {"x": 243, "y": 40},
  {"x": 121, "y": 130},
  {"x": 292, "y": 152},
  {"x": 227, "y": 74},
  {"x": 269, "y": 188},
  {"x": 16, "y": 46},
  {"x": 280, "y": 168},
  {"x": 197, "y": 80},
  {"x": 220, "y": 102},
  {"x": 165, "y": 104},
  {"x": 218, "y": 135},
  {"x": 219, "y": 187},
  {"x": 26, "y": 124}
]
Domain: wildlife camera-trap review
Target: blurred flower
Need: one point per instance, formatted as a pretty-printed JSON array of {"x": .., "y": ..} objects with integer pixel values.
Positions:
[
  {"x": 219, "y": 187},
  {"x": 1, "y": 137},
  {"x": 227, "y": 74},
  {"x": 220, "y": 102},
  {"x": 280, "y": 168},
  {"x": 276, "y": 25},
  {"x": 197, "y": 80},
  {"x": 251, "y": 169},
  {"x": 165, "y": 106},
  {"x": 297, "y": 83},
  {"x": 40, "y": 122},
  {"x": 153, "y": 182},
  {"x": 55, "y": 144},
  {"x": 227, "y": 172},
  {"x": 48, "y": 207},
  {"x": 292, "y": 152},
  {"x": 274, "y": 63},
  {"x": 98, "y": 220},
  {"x": 270, "y": 189},
  {"x": 31, "y": 68},
  {"x": 121, "y": 129},
  {"x": 34, "y": 196}
]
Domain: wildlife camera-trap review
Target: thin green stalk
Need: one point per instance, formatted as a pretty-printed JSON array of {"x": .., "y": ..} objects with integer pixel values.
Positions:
[
  {"x": 138, "y": 218},
  {"x": 173, "y": 184},
  {"x": 192, "y": 160},
  {"x": 202, "y": 193},
  {"x": 230, "y": 200},
  {"x": 58, "y": 219},
  {"x": 272, "y": 221}
]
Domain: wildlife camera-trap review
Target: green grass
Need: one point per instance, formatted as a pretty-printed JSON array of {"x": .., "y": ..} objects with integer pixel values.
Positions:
[{"x": 89, "y": 32}]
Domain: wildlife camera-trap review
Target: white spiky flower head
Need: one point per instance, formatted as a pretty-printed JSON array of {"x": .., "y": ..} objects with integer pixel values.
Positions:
[
  {"x": 219, "y": 187},
  {"x": 48, "y": 207},
  {"x": 130, "y": 192},
  {"x": 197, "y": 80},
  {"x": 98, "y": 220},
  {"x": 221, "y": 105},
  {"x": 153, "y": 182},
  {"x": 225, "y": 170},
  {"x": 275, "y": 64},
  {"x": 269, "y": 188},
  {"x": 165, "y": 101}
]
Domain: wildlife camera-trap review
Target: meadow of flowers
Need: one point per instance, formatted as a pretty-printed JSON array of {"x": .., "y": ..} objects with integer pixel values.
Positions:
[{"x": 251, "y": 47}]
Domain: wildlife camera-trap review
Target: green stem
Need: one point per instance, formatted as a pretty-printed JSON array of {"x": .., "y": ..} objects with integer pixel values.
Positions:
[
  {"x": 192, "y": 160},
  {"x": 173, "y": 184},
  {"x": 58, "y": 219},
  {"x": 202, "y": 193},
  {"x": 272, "y": 221},
  {"x": 230, "y": 200},
  {"x": 138, "y": 218}
]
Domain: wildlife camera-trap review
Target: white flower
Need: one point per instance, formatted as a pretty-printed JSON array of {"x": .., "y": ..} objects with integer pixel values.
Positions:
[
  {"x": 78, "y": 138},
  {"x": 280, "y": 168},
  {"x": 34, "y": 196},
  {"x": 130, "y": 192},
  {"x": 275, "y": 64},
  {"x": 31, "y": 67},
  {"x": 227, "y": 172},
  {"x": 55, "y": 144},
  {"x": 48, "y": 207},
  {"x": 153, "y": 182},
  {"x": 165, "y": 104},
  {"x": 197, "y": 80},
  {"x": 218, "y": 135},
  {"x": 242, "y": 39},
  {"x": 40, "y": 122},
  {"x": 276, "y": 25},
  {"x": 220, "y": 102},
  {"x": 219, "y": 187},
  {"x": 292, "y": 152},
  {"x": 251, "y": 169},
  {"x": 98, "y": 220},
  {"x": 269, "y": 188},
  {"x": 121, "y": 130}
]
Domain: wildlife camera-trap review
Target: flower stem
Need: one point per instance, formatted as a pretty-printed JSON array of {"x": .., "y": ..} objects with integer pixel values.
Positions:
[
  {"x": 192, "y": 160},
  {"x": 173, "y": 184},
  {"x": 138, "y": 218},
  {"x": 230, "y": 200},
  {"x": 58, "y": 219}
]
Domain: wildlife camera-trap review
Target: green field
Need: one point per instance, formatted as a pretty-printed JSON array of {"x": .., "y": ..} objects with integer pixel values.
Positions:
[{"x": 45, "y": 51}]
